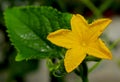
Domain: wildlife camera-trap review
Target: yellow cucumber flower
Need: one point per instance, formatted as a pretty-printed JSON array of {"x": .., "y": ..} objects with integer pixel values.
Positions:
[{"x": 82, "y": 39}]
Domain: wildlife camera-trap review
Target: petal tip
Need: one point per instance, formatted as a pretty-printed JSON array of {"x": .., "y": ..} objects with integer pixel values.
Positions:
[
  {"x": 48, "y": 37},
  {"x": 110, "y": 57},
  {"x": 78, "y": 16},
  {"x": 67, "y": 70},
  {"x": 109, "y": 20}
]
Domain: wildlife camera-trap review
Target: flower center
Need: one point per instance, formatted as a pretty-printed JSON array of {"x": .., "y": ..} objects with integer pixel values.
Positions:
[{"x": 84, "y": 44}]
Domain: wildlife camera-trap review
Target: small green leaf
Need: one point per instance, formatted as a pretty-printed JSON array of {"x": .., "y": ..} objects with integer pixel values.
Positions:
[{"x": 28, "y": 28}]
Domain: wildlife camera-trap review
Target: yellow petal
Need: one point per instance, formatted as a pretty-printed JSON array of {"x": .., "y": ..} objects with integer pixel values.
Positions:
[
  {"x": 79, "y": 25},
  {"x": 98, "y": 49},
  {"x": 62, "y": 37},
  {"x": 73, "y": 58},
  {"x": 97, "y": 27}
]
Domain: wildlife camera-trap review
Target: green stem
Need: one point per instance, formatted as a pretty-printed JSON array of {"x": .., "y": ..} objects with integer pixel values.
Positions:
[
  {"x": 82, "y": 71},
  {"x": 85, "y": 72},
  {"x": 105, "y": 5},
  {"x": 114, "y": 43},
  {"x": 85, "y": 79},
  {"x": 62, "y": 5},
  {"x": 94, "y": 66},
  {"x": 92, "y": 7}
]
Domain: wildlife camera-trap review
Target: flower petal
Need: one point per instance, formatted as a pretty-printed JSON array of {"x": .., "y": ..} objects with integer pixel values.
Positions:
[
  {"x": 98, "y": 49},
  {"x": 98, "y": 27},
  {"x": 79, "y": 25},
  {"x": 62, "y": 37},
  {"x": 73, "y": 58}
]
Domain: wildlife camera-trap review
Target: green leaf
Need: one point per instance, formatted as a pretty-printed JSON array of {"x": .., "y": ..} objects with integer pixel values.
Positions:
[{"x": 28, "y": 28}]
